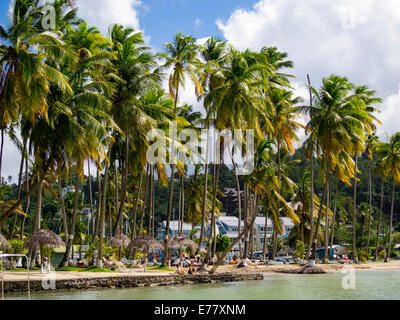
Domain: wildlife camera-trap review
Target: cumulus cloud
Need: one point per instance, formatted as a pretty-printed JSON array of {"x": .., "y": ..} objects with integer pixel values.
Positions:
[
  {"x": 355, "y": 38},
  {"x": 102, "y": 13}
]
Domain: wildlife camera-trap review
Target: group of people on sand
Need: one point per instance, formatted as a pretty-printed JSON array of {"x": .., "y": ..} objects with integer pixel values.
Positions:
[{"x": 191, "y": 270}]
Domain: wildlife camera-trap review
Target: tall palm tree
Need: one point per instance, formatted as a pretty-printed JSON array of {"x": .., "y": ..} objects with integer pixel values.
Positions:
[
  {"x": 181, "y": 58},
  {"x": 339, "y": 123},
  {"x": 371, "y": 143},
  {"x": 389, "y": 153}
]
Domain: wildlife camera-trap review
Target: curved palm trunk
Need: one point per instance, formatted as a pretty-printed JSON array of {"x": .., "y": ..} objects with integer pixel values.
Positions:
[
  {"x": 32, "y": 189},
  {"x": 389, "y": 245},
  {"x": 245, "y": 231},
  {"x": 203, "y": 208},
  {"x": 246, "y": 213},
  {"x": 91, "y": 227},
  {"x": 310, "y": 240},
  {"x": 355, "y": 212},
  {"x": 370, "y": 204},
  {"x": 1, "y": 155},
  {"x": 28, "y": 202},
  {"x": 239, "y": 208},
  {"x": 212, "y": 226},
  {"x": 70, "y": 241},
  {"x": 378, "y": 231},
  {"x": 328, "y": 204}
]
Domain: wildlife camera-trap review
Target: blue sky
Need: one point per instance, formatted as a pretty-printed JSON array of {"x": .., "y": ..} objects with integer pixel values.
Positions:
[
  {"x": 358, "y": 39},
  {"x": 161, "y": 19}
]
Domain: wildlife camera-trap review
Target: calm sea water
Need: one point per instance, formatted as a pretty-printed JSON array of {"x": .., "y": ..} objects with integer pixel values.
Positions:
[{"x": 383, "y": 284}]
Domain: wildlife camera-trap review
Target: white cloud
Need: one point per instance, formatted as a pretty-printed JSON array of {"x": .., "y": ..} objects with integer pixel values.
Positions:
[
  {"x": 390, "y": 115},
  {"x": 198, "y": 22},
  {"x": 102, "y": 13},
  {"x": 356, "y": 38}
]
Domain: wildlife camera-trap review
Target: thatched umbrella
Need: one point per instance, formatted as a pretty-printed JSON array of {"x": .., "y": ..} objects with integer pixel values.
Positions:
[
  {"x": 3, "y": 242},
  {"x": 146, "y": 243},
  {"x": 119, "y": 241},
  {"x": 43, "y": 238},
  {"x": 181, "y": 241}
]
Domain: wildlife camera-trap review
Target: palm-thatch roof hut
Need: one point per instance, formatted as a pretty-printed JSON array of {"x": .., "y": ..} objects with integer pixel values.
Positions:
[
  {"x": 3, "y": 242},
  {"x": 182, "y": 241},
  {"x": 43, "y": 238},
  {"x": 145, "y": 242},
  {"x": 119, "y": 241}
]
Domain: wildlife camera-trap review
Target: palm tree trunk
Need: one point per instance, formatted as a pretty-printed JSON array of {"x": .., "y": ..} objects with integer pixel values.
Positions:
[
  {"x": 246, "y": 213},
  {"x": 99, "y": 262},
  {"x": 171, "y": 187},
  {"x": 118, "y": 226},
  {"x": 28, "y": 202},
  {"x": 265, "y": 235},
  {"x": 146, "y": 187},
  {"x": 1, "y": 154},
  {"x": 334, "y": 215},
  {"x": 98, "y": 210},
  {"x": 134, "y": 217},
  {"x": 328, "y": 204},
  {"x": 36, "y": 225},
  {"x": 355, "y": 212},
  {"x": 378, "y": 231},
  {"x": 310, "y": 240},
  {"x": 239, "y": 200},
  {"x": 63, "y": 212},
  {"x": 32, "y": 189},
  {"x": 21, "y": 169},
  {"x": 246, "y": 228},
  {"x": 70, "y": 240},
  {"x": 370, "y": 204},
  {"x": 315, "y": 243},
  {"x": 116, "y": 199},
  {"x": 203, "y": 208},
  {"x": 38, "y": 210},
  {"x": 389, "y": 246},
  {"x": 91, "y": 227},
  {"x": 153, "y": 220}
]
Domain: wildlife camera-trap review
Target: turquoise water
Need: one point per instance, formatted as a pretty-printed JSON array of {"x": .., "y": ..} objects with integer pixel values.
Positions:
[{"x": 369, "y": 285}]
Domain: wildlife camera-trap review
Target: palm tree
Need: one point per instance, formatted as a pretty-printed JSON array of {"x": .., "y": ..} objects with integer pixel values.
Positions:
[
  {"x": 389, "y": 153},
  {"x": 371, "y": 143},
  {"x": 281, "y": 112},
  {"x": 213, "y": 53},
  {"x": 181, "y": 57},
  {"x": 339, "y": 123}
]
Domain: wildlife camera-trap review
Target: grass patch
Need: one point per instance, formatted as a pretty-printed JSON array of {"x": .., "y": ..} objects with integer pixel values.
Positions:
[
  {"x": 23, "y": 269},
  {"x": 159, "y": 268},
  {"x": 89, "y": 269}
]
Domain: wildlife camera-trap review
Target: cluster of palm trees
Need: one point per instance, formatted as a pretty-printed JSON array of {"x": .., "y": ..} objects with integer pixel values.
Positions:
[{"x": 79, "y": 98}]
